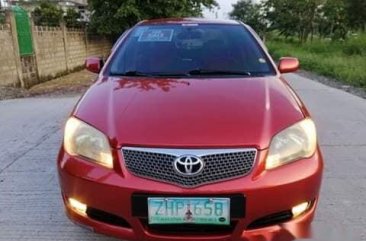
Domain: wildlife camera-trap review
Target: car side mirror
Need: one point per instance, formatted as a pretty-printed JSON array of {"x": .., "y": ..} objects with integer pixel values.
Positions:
[
  {"x": 288, "y": 65},
  {"x": 94, "y": 64}
]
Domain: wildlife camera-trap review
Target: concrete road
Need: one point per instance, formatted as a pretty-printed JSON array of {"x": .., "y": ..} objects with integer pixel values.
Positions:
[{"x": 30, "y": 135}]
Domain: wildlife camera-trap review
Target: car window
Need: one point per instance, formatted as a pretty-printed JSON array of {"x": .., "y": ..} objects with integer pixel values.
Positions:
[{"x": 180, "y": 49}]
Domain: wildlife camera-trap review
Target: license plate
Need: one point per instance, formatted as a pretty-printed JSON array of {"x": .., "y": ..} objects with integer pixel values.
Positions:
[{"x": 215, "y": 211}]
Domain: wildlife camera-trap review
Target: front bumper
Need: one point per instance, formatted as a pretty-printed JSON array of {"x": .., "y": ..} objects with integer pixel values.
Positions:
[{"x": 266, "y": 193}]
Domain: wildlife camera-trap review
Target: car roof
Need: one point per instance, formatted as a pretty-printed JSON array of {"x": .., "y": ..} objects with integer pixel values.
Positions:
[{"x": 188, "y": 21}]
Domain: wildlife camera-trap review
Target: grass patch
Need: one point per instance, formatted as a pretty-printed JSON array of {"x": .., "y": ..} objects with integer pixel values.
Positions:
[
  {"x": 2, "y": 17},
  {"x": 344, "y": 61}
]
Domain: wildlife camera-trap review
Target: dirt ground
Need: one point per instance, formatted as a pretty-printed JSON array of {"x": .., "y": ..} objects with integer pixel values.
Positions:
[{"x": 68, "y": 85}]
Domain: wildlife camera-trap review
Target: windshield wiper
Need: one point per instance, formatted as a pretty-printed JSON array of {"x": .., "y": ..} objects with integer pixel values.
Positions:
[
  {"x": 132, "y": 73},
  {"x": 218, "y": 72},
  {"x": 135, "y": 73},
  {"x": 166, "y": 74}
]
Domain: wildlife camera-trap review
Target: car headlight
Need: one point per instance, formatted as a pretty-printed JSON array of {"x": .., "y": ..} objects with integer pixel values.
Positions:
[
  {"x": 294, "y": 143},
  {"x": 84, "y": 140}
]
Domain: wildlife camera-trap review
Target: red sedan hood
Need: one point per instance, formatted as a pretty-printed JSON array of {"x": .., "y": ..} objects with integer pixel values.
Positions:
[{"x": 190, "y": 112}]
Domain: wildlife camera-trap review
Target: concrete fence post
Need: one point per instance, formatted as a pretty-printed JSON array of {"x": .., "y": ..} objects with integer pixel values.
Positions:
[
  {"x": 35, "y": 46},
  {"x": 66, "y": 46},
  {"x": 13, "y": 28},
  {"x": 86, "y": 42}
]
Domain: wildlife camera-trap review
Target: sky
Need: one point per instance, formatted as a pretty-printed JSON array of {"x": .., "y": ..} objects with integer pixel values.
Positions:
[{"x": 223, "y": 12}]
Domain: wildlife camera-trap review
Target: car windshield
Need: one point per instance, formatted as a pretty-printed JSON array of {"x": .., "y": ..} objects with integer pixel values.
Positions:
[{"x": 190, "y": 50}]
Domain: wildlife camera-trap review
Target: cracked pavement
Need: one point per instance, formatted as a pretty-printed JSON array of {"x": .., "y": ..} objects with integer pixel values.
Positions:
[{"x": 30, "y": 135}]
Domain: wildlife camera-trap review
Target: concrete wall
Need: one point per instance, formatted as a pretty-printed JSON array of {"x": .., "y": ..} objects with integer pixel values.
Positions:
[
  {"x": 57, "y": 51},
  {"x": 8, "y": 69},
  {"x": 50, "y": 51},
  {"x": 76, "y": 48},
  {"x": 61, "y": 50},
  {"x": 98, "y": 46}
]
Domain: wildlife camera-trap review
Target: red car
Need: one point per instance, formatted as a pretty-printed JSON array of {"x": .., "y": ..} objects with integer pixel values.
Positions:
[{"x": 190, "y": 132}]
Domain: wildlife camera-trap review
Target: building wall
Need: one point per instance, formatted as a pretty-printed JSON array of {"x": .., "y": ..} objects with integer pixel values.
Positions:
[
  {"x": 83, "y": 2},
  {"x": 8, "y": 69}
]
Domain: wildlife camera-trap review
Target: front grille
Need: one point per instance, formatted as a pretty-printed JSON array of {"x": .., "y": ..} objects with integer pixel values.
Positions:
[{"x": 219, "y": 164}]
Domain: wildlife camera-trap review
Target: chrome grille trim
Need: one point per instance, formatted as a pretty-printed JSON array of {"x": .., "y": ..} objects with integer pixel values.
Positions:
[{"x": 220, "y": 164}]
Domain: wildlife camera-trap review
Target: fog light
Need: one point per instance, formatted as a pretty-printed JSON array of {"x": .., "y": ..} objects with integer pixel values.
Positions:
[
  {"x": 78, "y": 206},
  {"x": 300, "y": 209}
]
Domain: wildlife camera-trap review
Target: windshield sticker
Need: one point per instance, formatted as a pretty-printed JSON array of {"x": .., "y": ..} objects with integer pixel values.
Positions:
[
  {"x": 190, "y": 25},
  {"x": 157, "y": 35},
  {"x": 140, "y": 30},
  {"x": 262, "y": 61}
]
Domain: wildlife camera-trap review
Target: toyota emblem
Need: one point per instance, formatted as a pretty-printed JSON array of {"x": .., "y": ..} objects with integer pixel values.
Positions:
[{"x": 188, "y": 165}]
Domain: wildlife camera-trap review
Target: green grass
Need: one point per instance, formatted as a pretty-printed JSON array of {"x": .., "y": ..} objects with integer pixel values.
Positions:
[
  {"x": 344, "y": 61},
  {"x": 2, "y": 18}
]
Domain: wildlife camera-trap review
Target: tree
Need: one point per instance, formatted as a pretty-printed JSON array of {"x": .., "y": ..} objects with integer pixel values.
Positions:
[
  {"x": 72, "y": 17},
  {"x": 333, "y": 22},
  {"x": 111, "y": 17},
  {"x": 251, "y": 14},
  {"x": 304, "y": 18},
  {"x": 47, "y": 14},
  {"x": 292, "y": 18},
  {"x": 356, "y": 12}
]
